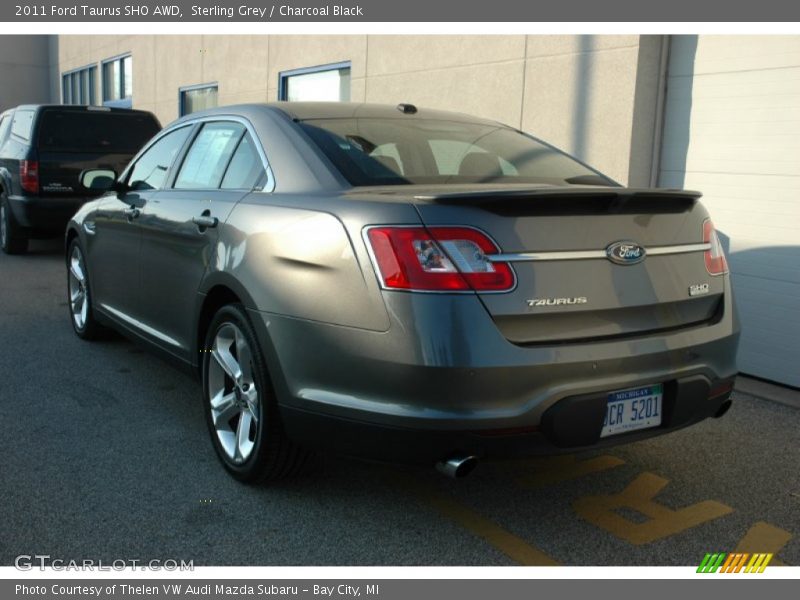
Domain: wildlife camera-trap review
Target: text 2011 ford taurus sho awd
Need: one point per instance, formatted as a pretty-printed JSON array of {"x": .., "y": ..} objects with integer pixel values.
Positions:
[{"x": 406, "y": 285}]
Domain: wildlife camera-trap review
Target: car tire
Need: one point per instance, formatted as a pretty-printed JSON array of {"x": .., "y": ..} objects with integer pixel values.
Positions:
[
  {"x": 240, "y": 406},
  {"x": 11, "y": 239},
  {"x": 79, "y": 296}
]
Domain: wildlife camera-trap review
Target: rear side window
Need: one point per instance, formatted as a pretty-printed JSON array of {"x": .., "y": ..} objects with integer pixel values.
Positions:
[
  {"x": 246, "y": 168},
  {"x": 22, "y": 124},
  {"x": 150, "y": 171},
  {"x": 209, "y": 155},
  {"x": 95, "y": 131},
  {"x": 5, "y": 125}
]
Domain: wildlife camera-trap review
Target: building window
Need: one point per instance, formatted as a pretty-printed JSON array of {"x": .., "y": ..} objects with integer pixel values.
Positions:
[
  {"x": 118, "y": 81},
  {"x": 77, "y": 87},
  {"x": 325, "y": 83},
  {"x": 197, "y": 97}
]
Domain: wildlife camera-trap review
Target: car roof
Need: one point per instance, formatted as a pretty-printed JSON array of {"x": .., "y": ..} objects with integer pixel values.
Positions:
[{"x": 302, "y": 111}]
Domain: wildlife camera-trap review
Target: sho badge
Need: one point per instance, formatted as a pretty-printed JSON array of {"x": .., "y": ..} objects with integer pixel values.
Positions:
[
  {"x": 556, "y": 301},
  {"x": 698, "y": 289}
]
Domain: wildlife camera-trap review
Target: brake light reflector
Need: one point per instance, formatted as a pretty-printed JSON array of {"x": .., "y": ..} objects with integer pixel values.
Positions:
[
  {"x": 29, "y": 175},
  {"x": 437, "y": 259},
  {"x": 716, "y": 264}
]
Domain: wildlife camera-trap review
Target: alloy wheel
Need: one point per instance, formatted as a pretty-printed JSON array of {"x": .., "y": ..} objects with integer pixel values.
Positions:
[
  {"x": 78, "y": 288},
  {"x": 232, "y": 393}
]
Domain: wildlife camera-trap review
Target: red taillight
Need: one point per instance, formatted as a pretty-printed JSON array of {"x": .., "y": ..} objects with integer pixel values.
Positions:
[
  {"x": 438, "y": 259},
  {"x": 714, "y": 256},
  {"x": 29, "y": 175}
]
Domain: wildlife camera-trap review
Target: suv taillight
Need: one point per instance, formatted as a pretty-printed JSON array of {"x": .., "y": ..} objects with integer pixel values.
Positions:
[
  {"x": 29, "y": 176},
  {"x": 716, "y": 264},
  {"x": 441, "y": 259}
]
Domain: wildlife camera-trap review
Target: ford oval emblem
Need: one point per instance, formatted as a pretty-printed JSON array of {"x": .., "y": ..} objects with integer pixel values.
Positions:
[{"x": 625, "y": 253}]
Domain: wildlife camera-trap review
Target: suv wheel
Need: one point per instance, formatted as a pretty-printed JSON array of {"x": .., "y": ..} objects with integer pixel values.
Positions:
[
  {"x": 11, "y": 240},
  {"x": 240, "y": 405},
  {"x": 79, "y": 297}
]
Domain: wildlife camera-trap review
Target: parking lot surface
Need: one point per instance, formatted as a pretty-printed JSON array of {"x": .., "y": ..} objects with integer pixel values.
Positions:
[{"x": 105, "y": 456}]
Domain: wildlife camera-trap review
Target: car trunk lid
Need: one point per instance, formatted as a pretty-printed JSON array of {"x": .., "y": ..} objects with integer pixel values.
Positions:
[{"x": 557, "y": 240}]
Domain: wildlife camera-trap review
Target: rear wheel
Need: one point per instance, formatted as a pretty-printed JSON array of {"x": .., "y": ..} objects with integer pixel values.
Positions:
[
  {"x": 12, "y": 240},
  {"x": 239, "y": 403},
  {"x": 79, "y": 297}
]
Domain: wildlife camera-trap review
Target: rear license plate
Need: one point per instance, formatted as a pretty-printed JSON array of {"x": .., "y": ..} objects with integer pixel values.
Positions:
[{"x": 632, "y": 409}]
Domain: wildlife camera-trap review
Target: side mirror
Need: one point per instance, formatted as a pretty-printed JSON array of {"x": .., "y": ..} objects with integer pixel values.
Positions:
[{"x": 101, "y": 180}]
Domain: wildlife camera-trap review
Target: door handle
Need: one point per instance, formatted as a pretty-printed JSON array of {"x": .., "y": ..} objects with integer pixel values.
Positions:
[
  {"x": 132, "y": 212},
  {"x": 205, "y": 221}
]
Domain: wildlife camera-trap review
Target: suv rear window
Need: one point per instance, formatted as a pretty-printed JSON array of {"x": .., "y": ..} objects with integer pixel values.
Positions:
[
  {"x": 89, "y": 131},
  {"x": 373, "y": 151}
]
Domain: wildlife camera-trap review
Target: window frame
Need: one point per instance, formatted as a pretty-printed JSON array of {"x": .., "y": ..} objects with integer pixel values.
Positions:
[
  {"x": 196, "y": 124},
  {"x": 191, "y": 88},
  {"x": 91, "y": 71},
  {"x": 123, "y": 101},
  {"x": 284, "y": 76}
]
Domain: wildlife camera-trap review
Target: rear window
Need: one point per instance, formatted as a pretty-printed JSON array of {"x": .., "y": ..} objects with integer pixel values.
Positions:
[
  {"x": 426, "y": 151},
  {"x": 88, "y": 131}
]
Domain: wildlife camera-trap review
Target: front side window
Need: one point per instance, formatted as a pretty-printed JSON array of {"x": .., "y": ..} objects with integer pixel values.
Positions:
[
  {"x": 329, "y": 83},
  {"x": 397, "y": 151},
  {"x": 198, "y": 98},
  {"x": 150, "y": 171}
]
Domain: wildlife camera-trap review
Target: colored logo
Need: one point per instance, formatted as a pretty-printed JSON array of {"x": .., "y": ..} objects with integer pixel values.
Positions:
[
  {"x": 734, "y": 562},
  {"x": 625, "y": 253}
]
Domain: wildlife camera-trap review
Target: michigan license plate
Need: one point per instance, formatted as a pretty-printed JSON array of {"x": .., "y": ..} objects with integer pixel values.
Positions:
[{"x": 636, "y": 408}]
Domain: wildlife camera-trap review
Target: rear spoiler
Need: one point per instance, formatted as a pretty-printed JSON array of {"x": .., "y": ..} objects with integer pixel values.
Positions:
[
  {"x": 599, "y": 193},
  {"x": 570, "y": 201}
]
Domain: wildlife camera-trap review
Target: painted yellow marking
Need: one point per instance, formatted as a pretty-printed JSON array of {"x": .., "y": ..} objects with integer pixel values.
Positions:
[
  {"x": 549, "y": 471},
  {"x": 663, "y": 521},
  {"x": 763, "y": 537},
  {"x": 506, "y": 542}
]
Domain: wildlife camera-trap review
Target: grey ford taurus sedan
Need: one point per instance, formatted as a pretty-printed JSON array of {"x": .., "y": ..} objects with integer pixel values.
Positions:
[{"x": 404, "y": 284}]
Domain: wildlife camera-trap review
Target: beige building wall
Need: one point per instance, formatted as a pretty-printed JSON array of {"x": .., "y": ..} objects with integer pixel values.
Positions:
[{"x": 593, "y": 96}]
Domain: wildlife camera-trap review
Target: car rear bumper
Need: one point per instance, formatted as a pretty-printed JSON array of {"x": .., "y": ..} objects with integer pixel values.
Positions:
[
  {"x": 43, "y": 214},
  {"x": 443, "y": 380},
  {"x": 571, "y": 425}
]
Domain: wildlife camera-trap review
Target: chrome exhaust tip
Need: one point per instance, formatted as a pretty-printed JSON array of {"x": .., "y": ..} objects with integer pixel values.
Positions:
[{"x": 457, "y": 466}]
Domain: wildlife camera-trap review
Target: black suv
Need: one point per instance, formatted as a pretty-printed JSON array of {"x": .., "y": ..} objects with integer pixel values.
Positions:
[{"x": 43, "y": 151}]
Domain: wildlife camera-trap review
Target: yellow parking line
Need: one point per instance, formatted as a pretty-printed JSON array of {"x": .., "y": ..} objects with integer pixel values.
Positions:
[
  {"x": 639, "y": 495},
  {"x": 765, "y": 538},
  {"x": 506, "y": 542}
]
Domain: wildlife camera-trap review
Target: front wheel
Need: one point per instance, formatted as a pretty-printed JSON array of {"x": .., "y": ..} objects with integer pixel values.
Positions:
[
  {"x": 79, "y": 296},
  {"x": 11, "y": 239},
  {"x": 239, "y": 403}
]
